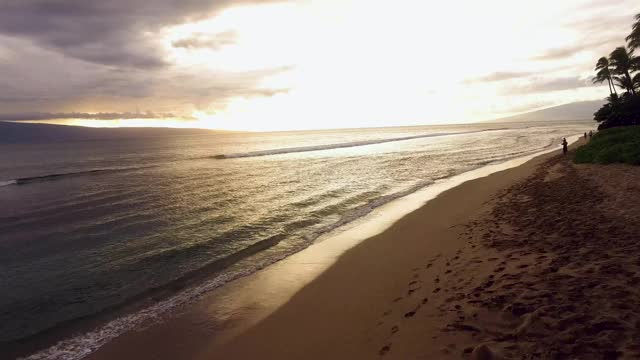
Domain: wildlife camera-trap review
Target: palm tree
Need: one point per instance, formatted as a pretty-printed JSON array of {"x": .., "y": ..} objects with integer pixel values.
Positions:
[
  {"x": 636, "y": 81},
  {"x": 603, "y": 73},
  {"x": 623, "y": 82},
  {"x": 634, "y": 38},
  {"x": 623, "y": 62}
]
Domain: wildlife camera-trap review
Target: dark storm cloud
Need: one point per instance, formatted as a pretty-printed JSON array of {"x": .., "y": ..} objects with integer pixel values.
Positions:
[
  {"x": 110, "y": 32},
  {"x": 214, "y": 42},
  {"x": 34, "y": 78}
]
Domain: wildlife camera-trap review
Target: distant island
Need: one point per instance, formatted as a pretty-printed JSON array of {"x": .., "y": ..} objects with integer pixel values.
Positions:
[
  {"x": 582, "y": 110},
  {"x": 16, "y": 132}
]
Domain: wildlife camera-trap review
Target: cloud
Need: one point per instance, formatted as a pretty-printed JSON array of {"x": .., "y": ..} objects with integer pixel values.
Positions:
[
  {"x": 95, "y": 116},
  {"x": 569, "y": 51},
  {"x": 62, "y": 84},
  {"x": 113, "y": 56},
  {"x": 104, "y": 32},
  {"x": 562, "y": 53},
  {"x": 529, "y": 106},
  {"x": 499, "y": 76},
  {"x": 543, "y": 85},
  {"x": 214, "y": 42}
]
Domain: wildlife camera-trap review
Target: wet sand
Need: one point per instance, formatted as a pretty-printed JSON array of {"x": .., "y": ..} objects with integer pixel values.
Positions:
[{"x": 538, "y": 261}]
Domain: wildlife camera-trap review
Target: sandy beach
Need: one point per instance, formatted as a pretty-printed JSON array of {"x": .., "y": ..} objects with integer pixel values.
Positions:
[{"x": 530, "y": 262}]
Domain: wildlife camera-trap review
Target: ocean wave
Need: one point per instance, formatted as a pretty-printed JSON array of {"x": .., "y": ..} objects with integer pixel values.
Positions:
[
  {"x": 363, "y": 210},
  {"x": 84, "y": 344},
  {"x": 337, "y": 146},
  {"x": 6, "y": 183},
  {"x": 80, "y": 346},
  {"x": 51, "y": 177}
]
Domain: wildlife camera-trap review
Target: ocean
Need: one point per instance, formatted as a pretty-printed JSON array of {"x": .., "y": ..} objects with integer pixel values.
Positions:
[{"x": 87, "y": 227}]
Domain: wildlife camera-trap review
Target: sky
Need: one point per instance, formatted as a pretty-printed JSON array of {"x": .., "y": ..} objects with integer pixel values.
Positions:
[{"x": 280, "y": 65}]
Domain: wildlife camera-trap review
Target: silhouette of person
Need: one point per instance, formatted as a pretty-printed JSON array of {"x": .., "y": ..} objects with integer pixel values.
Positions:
[
  {"x": 585, "y": 135},
  {"x": 565, "y": 145},
  {"x": 590, "y": 134}
]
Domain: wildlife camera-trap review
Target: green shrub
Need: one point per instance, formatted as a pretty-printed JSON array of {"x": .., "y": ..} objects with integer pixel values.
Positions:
[{"x": 615, "y": 145}]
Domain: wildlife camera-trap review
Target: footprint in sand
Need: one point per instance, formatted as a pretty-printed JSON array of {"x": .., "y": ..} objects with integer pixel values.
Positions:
[
  {"x": 410, "y": 314},
  {"x": 385, "y": 349},
  {"x": 395, "y": 329}
]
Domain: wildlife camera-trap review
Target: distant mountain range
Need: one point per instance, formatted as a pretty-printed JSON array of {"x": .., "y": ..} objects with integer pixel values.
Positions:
[
  {"x": 582, "y": 110},
  {"x": 14, "y": 132}
]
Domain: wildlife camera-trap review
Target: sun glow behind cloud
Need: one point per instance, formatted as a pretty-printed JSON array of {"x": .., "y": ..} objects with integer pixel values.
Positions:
[{"x": 357, "y": 63}]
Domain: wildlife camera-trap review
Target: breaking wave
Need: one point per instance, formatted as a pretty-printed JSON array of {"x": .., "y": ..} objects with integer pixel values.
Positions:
[
  {"x": 81, "y": 345},
  {"x": 338, "y": 146},
  {"x": 6, "y": 183},
  {"x": 51, "y": 177}
]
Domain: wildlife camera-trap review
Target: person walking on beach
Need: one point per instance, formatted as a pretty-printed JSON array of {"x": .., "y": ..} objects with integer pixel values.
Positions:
[
  {"x": 590, "y": 134},
  {"x": 585, "y": 135},
  {"x": 565, "y": 145}
]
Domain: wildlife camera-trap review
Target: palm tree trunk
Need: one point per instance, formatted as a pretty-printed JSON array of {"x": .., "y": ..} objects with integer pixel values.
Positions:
[
  {"x": 609, "y": 83},
  {"x": 613, "y": 86}
]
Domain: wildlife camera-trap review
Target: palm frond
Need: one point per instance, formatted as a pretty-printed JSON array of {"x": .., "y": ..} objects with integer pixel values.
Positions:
[
  {"x": 636, "y": 81},
  {"x": 603, "y": 63},
  {"x": 621, "y": 60},
  {"x": 623, "y": 82},
  {"x": 598, "y": 79},
  {"x": 634, "y": 38}
]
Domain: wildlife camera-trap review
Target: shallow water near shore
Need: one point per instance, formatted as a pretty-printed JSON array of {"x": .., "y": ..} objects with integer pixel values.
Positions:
[{"x": 86, "y": 235}]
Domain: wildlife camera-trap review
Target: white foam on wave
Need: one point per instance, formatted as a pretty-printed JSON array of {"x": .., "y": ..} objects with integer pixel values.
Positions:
[
  {"x": 79, "y": 346},
  {"x": 6, "y": 183},
  {"x": 337, "y": 146},
  {"x": 364, "y": 210}
]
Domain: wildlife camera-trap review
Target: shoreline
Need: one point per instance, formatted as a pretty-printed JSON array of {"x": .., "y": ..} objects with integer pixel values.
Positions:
[
  {"x": 377, "y": 223},
  {"x": 245, "y": 304}
]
